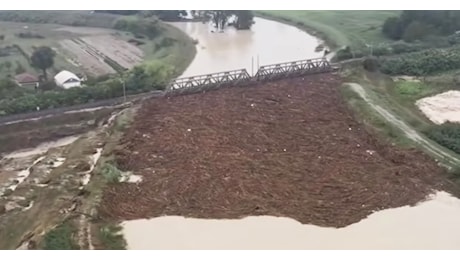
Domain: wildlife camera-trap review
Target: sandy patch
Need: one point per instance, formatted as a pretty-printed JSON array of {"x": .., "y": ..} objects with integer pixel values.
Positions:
[{"x": 441, "y": 108}]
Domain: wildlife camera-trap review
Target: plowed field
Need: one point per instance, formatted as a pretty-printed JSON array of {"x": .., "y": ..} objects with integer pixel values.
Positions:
[{"x": 288, "y": 148}]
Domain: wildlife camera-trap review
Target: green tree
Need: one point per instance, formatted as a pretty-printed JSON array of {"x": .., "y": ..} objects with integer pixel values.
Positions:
[
  {"x": 393, "y": 28},
  {"x": 415, "y": 31},
  {"x": 418, "y": 24},
  {"x": 244, "y": 19},
  {"x": 8, "y": 66},
  {"x": 167, "y": 15},
  {"x": 371, "y": 64},
  {"x": 43, "y": 58},
  {"x": 19, "y": 68}
]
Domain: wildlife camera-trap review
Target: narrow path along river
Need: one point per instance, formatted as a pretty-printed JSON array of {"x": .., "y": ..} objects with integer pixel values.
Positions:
[{"x": 428, "y": 225}]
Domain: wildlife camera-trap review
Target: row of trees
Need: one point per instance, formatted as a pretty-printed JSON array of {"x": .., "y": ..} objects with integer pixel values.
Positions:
[
  {"x": 164, "y": 15},
  {"x": 243, "y": 18},
  {"x": 417, "y": 25}
]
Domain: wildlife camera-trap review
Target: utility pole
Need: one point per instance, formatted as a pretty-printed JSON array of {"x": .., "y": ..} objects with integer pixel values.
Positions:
[
  {"x": 124, "y": 91},
  {"x": 252, "y": 66},
  {"x": 370, "y": 47}
]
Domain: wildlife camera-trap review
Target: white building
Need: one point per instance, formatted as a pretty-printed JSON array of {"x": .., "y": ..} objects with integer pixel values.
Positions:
[{"x": 67, "y": 79}]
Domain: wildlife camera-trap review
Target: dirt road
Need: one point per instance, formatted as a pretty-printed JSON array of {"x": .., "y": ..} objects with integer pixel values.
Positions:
[{"x": 411, "y": 133}]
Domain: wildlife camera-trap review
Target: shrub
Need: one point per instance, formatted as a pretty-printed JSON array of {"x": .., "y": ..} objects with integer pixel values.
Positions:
[
  {"x": 19, "y": 68},
  {"x": 381, "y": 50},
  {"x": 393, "y": 28},
  {"x": 371, "y": 64},
  {"x": 111, "y": 238},
  {"x": 111, "y": 173},
  {"x": 422, "y": 63},
  {"x": 447, "y": 135},
  {"x": 403, "y": 47},
  {"x": 30, "y": 35},
  {"x": 148, "y": 27},
  {"x": 48, "y": 85},
  {"x": 60, "y": 238},
  {"x": 415, "y": 31}
]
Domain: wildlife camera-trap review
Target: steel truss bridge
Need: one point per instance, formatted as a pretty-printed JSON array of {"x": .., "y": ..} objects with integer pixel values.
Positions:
[{"x": 241, "y": 77}]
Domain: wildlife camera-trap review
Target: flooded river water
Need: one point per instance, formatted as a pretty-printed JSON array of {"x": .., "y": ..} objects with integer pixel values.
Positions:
[
  {"x": 432, "y": 224},
  {"x": 267, "y": 42}
]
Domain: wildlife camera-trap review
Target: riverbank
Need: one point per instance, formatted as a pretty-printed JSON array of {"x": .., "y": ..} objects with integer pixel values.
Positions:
[
  {"x": 336, "y": 28},
  {"x": 180, "y": 54}
]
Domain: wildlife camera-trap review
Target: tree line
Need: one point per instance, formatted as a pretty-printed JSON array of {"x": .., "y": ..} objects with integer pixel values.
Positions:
[
  {"x": 243, "y": 19},
  {"x": 418, "y": 25}
]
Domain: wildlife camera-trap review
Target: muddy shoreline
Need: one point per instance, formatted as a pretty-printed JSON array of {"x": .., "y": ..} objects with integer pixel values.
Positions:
[{"x": 28, "y": 134}]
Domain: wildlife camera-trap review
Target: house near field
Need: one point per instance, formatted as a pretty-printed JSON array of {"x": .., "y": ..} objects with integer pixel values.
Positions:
[
  {"x": 27, "y": 80},
  {"x": 66, "y": 79}
]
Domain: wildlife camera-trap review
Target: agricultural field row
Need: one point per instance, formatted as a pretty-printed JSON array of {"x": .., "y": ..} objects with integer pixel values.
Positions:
[{"x": 82, "y": 50}]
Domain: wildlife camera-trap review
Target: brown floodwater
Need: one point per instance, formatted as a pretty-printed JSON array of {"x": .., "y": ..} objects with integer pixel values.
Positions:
[
  {"x": 268, "y": 42},
  {"x": 433, "y": 224}
]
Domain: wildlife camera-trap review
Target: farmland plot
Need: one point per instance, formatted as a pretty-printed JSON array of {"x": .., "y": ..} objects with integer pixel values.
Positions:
[
  {"x": 90, "y": 62},
  {"x": 103, "y": 54},
  {"x": 122, "y": 52}
]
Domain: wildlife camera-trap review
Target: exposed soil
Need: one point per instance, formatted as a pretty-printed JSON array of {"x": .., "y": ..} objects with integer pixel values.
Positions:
[
  {"x": 31, "y": 133},
  {"x": 289, "y": 148}
]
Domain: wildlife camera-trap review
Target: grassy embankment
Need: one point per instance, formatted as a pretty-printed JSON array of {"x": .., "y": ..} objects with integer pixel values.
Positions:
[{"x": 337, "y": 28}]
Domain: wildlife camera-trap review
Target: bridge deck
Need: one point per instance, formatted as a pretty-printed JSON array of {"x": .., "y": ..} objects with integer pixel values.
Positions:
[{"x": 240, "y": 77}]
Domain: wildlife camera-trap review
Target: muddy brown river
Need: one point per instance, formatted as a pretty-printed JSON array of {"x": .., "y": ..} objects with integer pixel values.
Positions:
[
  {"x": 266, "y": 43},
  {"x": 430, "y": 225}
]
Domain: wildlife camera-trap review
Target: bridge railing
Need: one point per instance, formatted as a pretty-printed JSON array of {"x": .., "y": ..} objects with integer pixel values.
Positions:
[
  {"x": 292, "y": 69},
  {"x": 208, "y": 81},
  {"x": 240, "y": 77}
]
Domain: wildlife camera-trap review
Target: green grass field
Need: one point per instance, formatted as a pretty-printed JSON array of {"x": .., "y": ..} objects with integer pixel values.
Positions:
[{"x": 338, "y": 28}]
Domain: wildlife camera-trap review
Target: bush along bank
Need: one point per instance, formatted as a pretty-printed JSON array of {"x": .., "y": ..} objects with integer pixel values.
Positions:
[
  {"x": 447, "y": 135},
  {"x": 396, "y": 48},
  {"x": 422, "y": 63}
]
